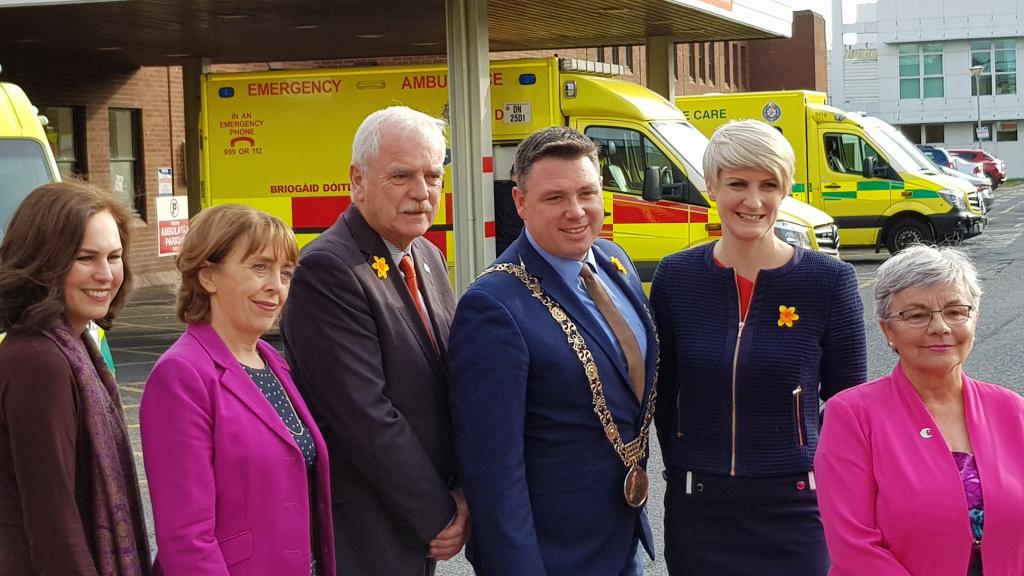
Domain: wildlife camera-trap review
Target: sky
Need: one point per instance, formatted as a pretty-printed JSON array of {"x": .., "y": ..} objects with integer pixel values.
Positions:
[{"x": 824, "y": 7}]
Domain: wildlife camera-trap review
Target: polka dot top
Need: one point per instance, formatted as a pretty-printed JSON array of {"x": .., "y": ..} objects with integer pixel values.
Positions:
[{"x": 271, "y": 387}]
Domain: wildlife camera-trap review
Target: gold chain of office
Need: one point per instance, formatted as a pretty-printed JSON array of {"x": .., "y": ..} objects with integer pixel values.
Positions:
[{"x": 631, "y": 453}]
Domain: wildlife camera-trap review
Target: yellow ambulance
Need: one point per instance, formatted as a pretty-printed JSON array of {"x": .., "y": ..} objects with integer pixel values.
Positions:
[
  {"x": 280, "y": 141},
  {"x": 860, "y": 170}
]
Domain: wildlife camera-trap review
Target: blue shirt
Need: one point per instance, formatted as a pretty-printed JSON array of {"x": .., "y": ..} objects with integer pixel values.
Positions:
[{"x": 569, "y": 270}]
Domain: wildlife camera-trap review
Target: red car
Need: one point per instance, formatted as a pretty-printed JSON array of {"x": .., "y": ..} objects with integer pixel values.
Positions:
[{"x": 995, "y": 169}]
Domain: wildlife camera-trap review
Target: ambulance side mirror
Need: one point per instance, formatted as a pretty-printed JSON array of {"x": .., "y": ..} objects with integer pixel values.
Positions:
[
  {"x": 869, "y": 168},
  {"x": 652, "y": 184}
]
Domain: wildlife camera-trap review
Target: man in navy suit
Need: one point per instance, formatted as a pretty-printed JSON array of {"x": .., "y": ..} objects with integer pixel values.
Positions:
[{"x": 551, "y": 389}]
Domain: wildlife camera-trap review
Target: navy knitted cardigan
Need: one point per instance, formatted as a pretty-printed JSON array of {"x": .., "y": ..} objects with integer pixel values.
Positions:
[{"x": 765, "y": 423}]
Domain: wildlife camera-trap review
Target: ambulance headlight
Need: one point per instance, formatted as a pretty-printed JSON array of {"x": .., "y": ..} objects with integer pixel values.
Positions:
[
  {"x": 794, "y": 234},
  {"x": 953, "y": 198}
]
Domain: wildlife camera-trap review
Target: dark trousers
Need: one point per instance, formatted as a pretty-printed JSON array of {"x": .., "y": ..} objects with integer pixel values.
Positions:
[{"x": 726, "y": 526}]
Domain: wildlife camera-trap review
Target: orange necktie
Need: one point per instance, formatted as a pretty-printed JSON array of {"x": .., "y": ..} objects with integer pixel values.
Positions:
[
  {"x": 623, "y": 333},
  {"x": 409, "y": 271}
]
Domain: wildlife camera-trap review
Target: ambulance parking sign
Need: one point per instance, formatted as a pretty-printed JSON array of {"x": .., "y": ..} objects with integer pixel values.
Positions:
[{"x": 172, "y": 223}]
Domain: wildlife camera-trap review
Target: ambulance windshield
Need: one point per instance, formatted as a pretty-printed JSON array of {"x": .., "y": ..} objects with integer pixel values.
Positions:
[
  {"x": 902, "y": 159},
  {"x": 23, "y": 167},
  {"x": 689, "y": 144}
]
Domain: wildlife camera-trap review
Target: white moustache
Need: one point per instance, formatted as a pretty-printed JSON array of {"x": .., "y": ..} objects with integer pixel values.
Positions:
[{"x": 421, "y": 207}]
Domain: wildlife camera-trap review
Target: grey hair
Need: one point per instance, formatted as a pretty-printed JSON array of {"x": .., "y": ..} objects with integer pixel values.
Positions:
[
  {"x": 749, "y": 144},
  {"x": 555, "y": 142},
  {"x": 924, "y": 266},
  {"x": 366, "y": 144}
]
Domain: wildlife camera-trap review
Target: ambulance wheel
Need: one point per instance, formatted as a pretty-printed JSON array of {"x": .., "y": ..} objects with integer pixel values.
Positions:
[{"x": 907, "y": 232}]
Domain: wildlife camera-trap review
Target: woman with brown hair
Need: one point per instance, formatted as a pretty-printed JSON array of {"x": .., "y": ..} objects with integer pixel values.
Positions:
[
  {"x": 238, "y": 471},
  {"x": 69, "y": 497}
]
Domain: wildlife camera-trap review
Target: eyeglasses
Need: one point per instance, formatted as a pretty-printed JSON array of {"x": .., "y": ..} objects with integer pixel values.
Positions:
[{"x": 921, "y": 317}]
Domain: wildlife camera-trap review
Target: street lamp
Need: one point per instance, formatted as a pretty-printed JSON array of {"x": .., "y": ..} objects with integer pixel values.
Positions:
[{"x": 976, "y": 73}]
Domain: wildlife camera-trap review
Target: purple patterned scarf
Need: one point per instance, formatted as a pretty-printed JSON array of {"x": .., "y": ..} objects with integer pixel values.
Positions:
[{"x": 120, "y": 543}]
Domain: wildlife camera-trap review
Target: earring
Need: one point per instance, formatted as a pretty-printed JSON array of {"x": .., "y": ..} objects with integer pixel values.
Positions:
[{"x": 893, "y": 347}]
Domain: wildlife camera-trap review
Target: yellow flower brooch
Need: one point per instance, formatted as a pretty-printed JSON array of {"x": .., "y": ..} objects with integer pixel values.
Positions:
[
  {"x": 787, "y": 315},
  {"x": 618, "y": 266},
  {"x": 381, "y": 266}
]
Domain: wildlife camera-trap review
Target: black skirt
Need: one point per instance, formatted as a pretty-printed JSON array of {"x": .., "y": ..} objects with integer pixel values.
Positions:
[{"x": 727, "y": 526}]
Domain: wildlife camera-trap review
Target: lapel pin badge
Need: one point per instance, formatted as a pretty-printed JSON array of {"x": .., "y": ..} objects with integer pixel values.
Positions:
[{"x": 926, "y": 433}]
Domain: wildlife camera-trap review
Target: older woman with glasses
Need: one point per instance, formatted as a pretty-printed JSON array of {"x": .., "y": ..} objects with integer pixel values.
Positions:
[{"x": 920, "y": 472}]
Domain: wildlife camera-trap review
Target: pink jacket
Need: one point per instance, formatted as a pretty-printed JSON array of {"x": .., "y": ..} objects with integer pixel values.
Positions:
[
  {"x": 890, "y": 494},
  {"x": 227, "y": 481}
]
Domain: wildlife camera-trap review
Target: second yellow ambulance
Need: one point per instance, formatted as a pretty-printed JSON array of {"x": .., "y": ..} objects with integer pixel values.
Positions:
[{"x": 860, "y": 170}]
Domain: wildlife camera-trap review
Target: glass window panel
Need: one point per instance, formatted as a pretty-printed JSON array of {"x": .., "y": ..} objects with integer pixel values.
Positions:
[
  {"x": 1005, "y": 45},
  {"x": 1006, "y": 83},
  {"x": 981, "y": 45},
  {"x": 906, "y": 49},
  {"x": 981, "y": 59},
  {"x": 910, "y": 88},
  {"x": 121, "y": 135},
  {"x": 933, "y": 64},
  {"x": 985, "y": 85},
  {"x": 933, "y": 88},
  {"x": 932, "y": 47},
  {"x": 122, "y": 181},
  {"x": 934, "y": 133},
  {"x": 1006, "y": 132},
  {"x": 1006, "y": 61},
  {"x": 912, "y": 132},
  {"x": 909, "y": 66}
]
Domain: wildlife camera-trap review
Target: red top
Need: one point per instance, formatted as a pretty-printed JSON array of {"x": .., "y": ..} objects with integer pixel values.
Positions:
[{"x": 746, "y": 290}]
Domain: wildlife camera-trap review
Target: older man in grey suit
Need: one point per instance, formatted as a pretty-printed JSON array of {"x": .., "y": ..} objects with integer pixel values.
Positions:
[{"x": 366, "y": 334}]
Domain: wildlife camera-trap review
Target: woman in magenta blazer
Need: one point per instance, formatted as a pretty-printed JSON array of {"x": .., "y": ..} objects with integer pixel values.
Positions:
[
  {"x": 921, "y": 472},
  {"x": 238, "y": 472}
]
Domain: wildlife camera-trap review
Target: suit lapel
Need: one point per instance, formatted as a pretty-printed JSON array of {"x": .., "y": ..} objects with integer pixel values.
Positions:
[
  {"x": 234, "y": 378},
  {"x": 429, "y": 293},
  {"x": 571, "y": 302},
  {"x": 393, "y": 287},
  {"x": 634, "y": 292}
]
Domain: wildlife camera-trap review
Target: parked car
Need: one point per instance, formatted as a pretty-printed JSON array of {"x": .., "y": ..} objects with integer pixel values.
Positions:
[
  {"x": 944, "y": 157},
  {"x": 981, "y": 183},
  {"x": 994, "y": 168}
]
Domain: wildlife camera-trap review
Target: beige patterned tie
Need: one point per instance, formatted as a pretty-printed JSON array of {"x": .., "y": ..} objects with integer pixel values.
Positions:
[{"x": 623, "y": 333}]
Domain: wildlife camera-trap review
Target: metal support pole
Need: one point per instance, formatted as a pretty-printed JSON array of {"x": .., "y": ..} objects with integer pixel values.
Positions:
[
  {"x": 470, "y": 129},
  {"x": 977, "y": 98}
]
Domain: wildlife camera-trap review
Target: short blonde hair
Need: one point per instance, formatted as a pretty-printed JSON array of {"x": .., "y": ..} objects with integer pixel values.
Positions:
[
  {"x": 212, "y": 235},
  {"x": 750, "y": 144}
]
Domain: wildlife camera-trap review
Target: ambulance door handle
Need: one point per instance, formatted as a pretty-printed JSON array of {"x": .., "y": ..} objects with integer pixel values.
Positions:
[
  {"x": 907, "y": 194},
  {"x": 607, "y": 214},
  {"x": 831, "y": 186}
]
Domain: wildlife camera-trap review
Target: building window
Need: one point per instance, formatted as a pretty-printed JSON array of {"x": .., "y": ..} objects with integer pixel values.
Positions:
[
  {"x": 934, "y": 133},
  {"x": 912, "y": 132},
  {"x": 999, "y": 61},
  {"x": 126, "y": 176},
  {"x": 744, "y": 70},
  {"x": 629, "y": 56},
  {"x": 921, "y": 71},
  {"x": 712, "y": 72},
  {"x": 65, "y": 132},
  {"x": 702, "y": 61},
  {"x": 692, "y": 71},
  {"x": 615, "y": 54},
  {"x": 600, "y": 54},
  {"x": 736, "y": 64},
  {"x": 726, "y": 65},
  {"x": 1006, "y": 131}
]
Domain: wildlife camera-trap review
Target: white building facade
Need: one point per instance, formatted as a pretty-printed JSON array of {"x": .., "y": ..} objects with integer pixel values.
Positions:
[{"x": 910, "y": 65}]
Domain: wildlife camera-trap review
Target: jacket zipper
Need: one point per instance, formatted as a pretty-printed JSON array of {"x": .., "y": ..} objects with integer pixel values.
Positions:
[
  {"x": 735, "y": 364},
  {"x": 798, "y": 394}
]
